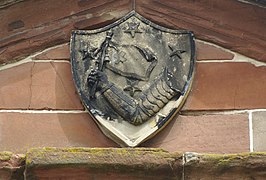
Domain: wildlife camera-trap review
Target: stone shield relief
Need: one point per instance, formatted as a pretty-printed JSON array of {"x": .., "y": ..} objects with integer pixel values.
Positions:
[{"x": 133, "y": 76}]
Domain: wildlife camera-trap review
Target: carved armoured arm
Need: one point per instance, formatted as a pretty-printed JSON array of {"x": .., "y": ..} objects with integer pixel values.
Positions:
[{"x": 150, "y": 101}]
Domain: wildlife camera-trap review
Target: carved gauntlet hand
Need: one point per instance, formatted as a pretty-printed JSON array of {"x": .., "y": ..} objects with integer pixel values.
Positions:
[{"x": 99, "y": 77}]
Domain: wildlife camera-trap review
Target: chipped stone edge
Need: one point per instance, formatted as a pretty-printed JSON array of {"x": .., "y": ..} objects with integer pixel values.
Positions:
[{"x": 12, "y": 165}]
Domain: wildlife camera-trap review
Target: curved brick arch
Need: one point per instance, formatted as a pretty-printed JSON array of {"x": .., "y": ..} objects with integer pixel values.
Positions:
[{"x": 30, "y": 26}]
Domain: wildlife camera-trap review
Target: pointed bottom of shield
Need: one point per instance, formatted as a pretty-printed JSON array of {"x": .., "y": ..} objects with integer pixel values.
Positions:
[{"x": 127, "y": 135}]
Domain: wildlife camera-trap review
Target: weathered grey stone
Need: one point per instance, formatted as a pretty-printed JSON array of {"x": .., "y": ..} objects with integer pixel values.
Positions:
[{"x": 259, "y": 130}]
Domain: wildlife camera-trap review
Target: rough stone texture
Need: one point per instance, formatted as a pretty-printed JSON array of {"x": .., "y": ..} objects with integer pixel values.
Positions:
[
  {"x": 129, "y": 163},
  {"x": 223, "y": 167},
  {"x": 103, "y": 164},
  {"x": 38, "y": 86},
  {"x": 259, "y": 130},
  {"x": 49, "y": 23},
  {"x": 21, "y": 131},
  {"x": 220, "y": 86},
  {"x": 205, "y": 133},
  {"x": 232, "y": 24},
  {"x": 59, "y": 53},
  {"x": 206, "y": 51},
  {"x": 11, "y": 165}
]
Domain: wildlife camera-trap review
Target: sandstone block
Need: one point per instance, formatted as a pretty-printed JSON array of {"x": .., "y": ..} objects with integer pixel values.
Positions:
[
  {"x": 38, "y": 86},
  {"x": 21, "y": 131},
  {"x": 204, "y": 134},
  {"x": 221, "y": 86},
  {"x": 259, "y": 130}
]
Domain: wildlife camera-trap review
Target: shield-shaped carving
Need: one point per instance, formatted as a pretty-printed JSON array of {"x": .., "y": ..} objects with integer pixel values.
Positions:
[{"x": 133, "y": 76}]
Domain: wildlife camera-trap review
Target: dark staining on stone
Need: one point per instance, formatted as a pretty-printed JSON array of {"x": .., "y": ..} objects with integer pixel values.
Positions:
[
  {"x": 15, "y": 25},
  {"x": 82, "y": 3}
]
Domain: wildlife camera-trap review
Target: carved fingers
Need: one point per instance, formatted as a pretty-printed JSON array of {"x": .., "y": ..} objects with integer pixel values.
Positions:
[{"x": 98, "y": 77}]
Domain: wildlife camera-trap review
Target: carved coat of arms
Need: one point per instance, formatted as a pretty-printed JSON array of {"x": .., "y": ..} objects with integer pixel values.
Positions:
[{"x": 132, "y": 76}]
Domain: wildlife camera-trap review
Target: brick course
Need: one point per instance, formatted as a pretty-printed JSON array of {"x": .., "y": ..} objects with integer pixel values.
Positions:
[{"x": 21, "y": 131}]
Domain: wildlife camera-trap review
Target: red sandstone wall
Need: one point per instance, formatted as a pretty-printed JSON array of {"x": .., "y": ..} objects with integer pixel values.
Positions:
[{"x": 225, "y": 111}]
